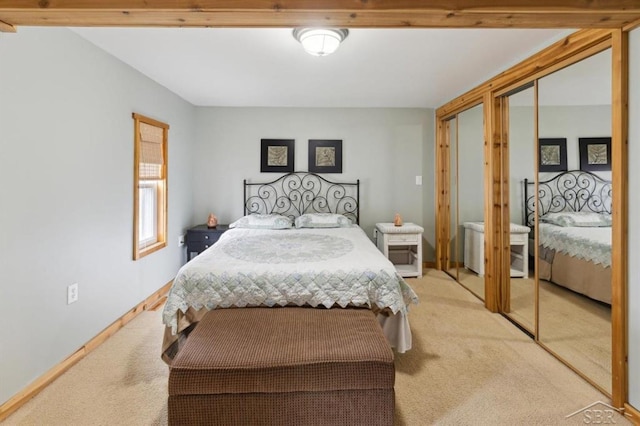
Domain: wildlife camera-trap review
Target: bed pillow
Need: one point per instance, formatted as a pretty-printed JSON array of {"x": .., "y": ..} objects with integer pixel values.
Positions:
[
  {"x": 322, "y": 220},
  {"x": 263, "y": 221},
  {"x": 579, "y": 219}
]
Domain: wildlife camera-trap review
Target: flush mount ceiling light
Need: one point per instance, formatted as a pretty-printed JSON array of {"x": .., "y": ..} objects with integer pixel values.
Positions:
[{"x": 320, "y": 41}]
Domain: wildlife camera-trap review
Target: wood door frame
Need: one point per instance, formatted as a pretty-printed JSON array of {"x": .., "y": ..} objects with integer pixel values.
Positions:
[{"x": 573, "y": 48}]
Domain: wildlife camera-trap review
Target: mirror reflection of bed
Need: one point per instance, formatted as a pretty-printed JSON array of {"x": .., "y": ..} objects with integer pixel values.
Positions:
[{"x": 574, "y": 260}]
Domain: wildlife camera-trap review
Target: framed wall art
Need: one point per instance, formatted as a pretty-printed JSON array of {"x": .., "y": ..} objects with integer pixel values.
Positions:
[
  {"x": 552, "y": 154},
  {"x": 325, "y": 156},
  {"x": 595, "y": 154},
  {"x": 277, "y": 155}
]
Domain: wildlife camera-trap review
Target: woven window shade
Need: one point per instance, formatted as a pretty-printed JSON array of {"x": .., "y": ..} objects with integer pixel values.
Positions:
[{"x": 151, "y": 155}]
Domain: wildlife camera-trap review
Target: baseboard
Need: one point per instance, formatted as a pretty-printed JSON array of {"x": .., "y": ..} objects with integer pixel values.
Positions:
[
  {"x": 150, "y": 303},
  {"x": 632, "y": 414},
  {"x": 428, "y": 265}
]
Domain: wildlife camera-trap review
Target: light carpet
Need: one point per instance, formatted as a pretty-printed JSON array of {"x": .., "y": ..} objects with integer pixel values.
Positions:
[{"x": 467, "y": 367}]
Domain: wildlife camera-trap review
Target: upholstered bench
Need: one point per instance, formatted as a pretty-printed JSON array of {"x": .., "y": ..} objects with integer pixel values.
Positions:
[{"x": 283, "y": 366}]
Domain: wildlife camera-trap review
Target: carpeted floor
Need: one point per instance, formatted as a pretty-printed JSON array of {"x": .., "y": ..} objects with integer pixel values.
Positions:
[
  {"x": 467, "y": 367},
  {"x": 575, "y": 327}
]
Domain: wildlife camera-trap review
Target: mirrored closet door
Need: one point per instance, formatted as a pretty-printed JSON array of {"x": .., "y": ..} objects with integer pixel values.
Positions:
[
  {"x": 520, "y": 117},
  {"x": 470, "y": 201},
  {"x": 465, "y": 139},
  {"x": 574, "y": 216}
]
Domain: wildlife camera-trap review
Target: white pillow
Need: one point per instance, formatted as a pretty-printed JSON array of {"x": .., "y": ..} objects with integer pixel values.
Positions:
[
  {"x": 263, "y": 221},
  {"x": 322, "y": 220},
  {"x": 579, "y": 219}
]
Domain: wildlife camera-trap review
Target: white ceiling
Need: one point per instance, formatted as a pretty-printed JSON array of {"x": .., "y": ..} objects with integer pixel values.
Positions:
[{"x": 268, "y": 67}]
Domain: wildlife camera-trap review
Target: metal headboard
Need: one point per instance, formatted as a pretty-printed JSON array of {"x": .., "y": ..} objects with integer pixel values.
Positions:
[
  {"x": 297, "y": 193},
  {"x": 573, "y": 191}
]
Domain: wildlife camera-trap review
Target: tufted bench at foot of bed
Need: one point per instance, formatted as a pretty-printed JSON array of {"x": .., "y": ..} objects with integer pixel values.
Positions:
[{"x": 283, "y": 366}]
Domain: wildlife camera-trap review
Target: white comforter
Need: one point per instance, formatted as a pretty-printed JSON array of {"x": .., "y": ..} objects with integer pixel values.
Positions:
[
  {"x": 589, "y": 243},
  {"x": 316, "y": 267}
]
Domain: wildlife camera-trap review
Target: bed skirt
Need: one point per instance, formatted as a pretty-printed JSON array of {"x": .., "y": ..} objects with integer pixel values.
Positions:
[
  {"x": 576, "y": 274},
  {"x": 394, "y": 327}
]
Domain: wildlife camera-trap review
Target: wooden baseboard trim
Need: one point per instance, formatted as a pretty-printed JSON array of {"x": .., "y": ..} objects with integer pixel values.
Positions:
[
  {"x": 632, "y": 414},
  {"x": 43, "y": 381},
  {"x": 428, "y": 265}
]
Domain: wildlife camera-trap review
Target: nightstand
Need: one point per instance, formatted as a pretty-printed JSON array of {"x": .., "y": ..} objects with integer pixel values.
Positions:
[
  {"x": 402, "y": 245},
  {"x": 474, "y": 248},
  {"x": 201, "y": 237}
]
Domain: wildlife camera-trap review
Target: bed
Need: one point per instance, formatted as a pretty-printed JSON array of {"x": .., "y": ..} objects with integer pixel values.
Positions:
[
  {"x": 574, "y": 210},
  {"x": 310, "y": 264}
]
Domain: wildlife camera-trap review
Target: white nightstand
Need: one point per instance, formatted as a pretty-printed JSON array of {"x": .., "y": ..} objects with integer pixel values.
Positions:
[
  {"x": 474, "y": 248},
  {"x": 402, "y": 245}
]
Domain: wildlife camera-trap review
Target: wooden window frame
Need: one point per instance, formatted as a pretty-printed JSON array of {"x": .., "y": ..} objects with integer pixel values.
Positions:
[{"x": 162, "y": 188}]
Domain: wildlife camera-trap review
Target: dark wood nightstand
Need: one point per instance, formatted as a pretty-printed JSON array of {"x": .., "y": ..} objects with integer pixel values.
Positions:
[{"x": 199, "y": 238}]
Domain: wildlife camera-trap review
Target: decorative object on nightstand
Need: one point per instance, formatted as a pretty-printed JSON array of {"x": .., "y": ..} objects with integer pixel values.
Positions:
[
  {"x": 402, "y": 245},
  {"x": 201, "y": 237},
  {"x": 397, "y": 220},
  {"x": 212, "y": 221}
]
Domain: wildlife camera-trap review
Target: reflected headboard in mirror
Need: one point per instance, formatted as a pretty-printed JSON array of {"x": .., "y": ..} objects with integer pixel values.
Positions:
[
  {"x": 570, "y": 191},
  {"x": 297, "y": 193}
]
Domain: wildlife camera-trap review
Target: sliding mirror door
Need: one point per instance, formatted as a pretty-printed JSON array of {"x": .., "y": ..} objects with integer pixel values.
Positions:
[
  {"x": 520, "y": 108},
  {"x": 574, "y": 211},
  {"x": 470, "y": 171}
]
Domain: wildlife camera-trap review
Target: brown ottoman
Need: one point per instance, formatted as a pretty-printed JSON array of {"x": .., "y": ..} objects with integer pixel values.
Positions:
[{"x": 283, "y": 366}]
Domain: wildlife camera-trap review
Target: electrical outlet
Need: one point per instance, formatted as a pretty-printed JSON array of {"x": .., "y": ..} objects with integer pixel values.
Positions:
[
  {"x": 418, "y": 180},
  {"x": 181, "y": 240},
  {"x": 72, "y": 293}
]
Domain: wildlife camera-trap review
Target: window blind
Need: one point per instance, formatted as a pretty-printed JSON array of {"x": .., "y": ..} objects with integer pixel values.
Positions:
[{"x": 151, "y": 155}]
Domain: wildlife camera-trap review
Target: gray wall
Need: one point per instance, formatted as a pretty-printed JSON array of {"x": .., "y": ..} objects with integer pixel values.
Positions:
[
  {"x": 66, "y": 167},
  {"x": 384, "y": 148},
  {"x": 633, "y": 288}
]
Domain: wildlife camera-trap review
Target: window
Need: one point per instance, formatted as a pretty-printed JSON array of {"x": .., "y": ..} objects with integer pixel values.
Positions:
[{"x": 150, "y": 186}]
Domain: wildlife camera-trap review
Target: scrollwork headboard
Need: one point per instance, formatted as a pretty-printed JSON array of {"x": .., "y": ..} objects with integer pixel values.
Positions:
[
  {"x": 573, "y": 191},
  {"x": 297, "y": 193}
]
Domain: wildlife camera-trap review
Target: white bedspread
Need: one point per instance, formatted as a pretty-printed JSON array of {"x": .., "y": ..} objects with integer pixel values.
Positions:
[
  {"x": 589, "y": 243},
  {"x": 316, "y": 267}
]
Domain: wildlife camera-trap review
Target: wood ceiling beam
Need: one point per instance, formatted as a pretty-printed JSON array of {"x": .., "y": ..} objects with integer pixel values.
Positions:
[{"x": 337, "y": 13}]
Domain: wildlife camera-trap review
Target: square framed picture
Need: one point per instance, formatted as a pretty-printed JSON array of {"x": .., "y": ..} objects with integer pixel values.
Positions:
[
  {"x": 552, "y": 154},
  {"x": 595, "y": 154},
  {"x": 277, "y": 155},
  {"x": 325, "y": 156}
]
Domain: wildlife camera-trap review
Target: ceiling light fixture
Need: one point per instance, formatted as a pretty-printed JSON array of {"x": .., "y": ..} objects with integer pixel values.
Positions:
[{"x": 320, "y": 41}]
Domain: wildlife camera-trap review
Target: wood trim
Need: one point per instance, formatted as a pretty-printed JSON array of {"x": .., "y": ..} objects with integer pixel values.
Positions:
[
  {"x": 492, "y": 205},
  {"x": 536, "y": 248},
  {"x": 632, "y": 414},
  {"x": 536, "y": 65},
  {"x": 47, "y": 378},
  {"x": 136, "y": 190},
  {"x": 632, "y": 26},
  {"x": 590, "y": 51},
  {"x": 149, "y": 120},
  {"x": 442, "y": 194},
  {"x": 502, "y": 120},
  {"x": 619, "y": 207},
  {"x": 456, "y": 158},
  {"x": 6, "y": 28},
  {"x": 336, "y": 13}
]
